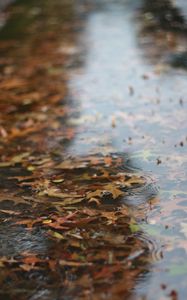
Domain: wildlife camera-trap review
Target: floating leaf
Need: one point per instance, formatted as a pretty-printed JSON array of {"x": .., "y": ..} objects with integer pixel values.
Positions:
[
  {"x": 134, "y": 227},
  {"x": 69, "y": 201},
  {"x": 10, "y": 212},
  {"x": 70, "y": 164},
  {"x": 116, "y": 192},
  {"x": 74, "y": 263},
  {"x": 58, "y": 180},
  {"x": 56, "y": 235}
]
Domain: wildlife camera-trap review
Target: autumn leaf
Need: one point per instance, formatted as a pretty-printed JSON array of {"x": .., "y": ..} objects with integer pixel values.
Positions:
[
  {"x": 11, "y": 197},
  {"x": 60, "y": 180},
  {"x": 27, "y": 267},
  {"x": 74, "y": 263},
  {"x": 107, "y": 272},
  {"x": 109, "y": 188},
  {"x": 57, "y": 194},
  {"x": 94, "y": 201},
  {"x": 68, "y": 201},
  {"x": 10, "y": 212},
  {"x": 14, "y": 160},
  {"x": 134, "y": 180},
  {"x": 56, "y": 235},
  {"x": 110, "y": 216},
  {"x": 116, "y": 192},
  {"x": 12, "y": 83},
  {"x": 57, "y": 225},
  {"x": 29, "y": 222},
  {"x": 97, "y": 193},
  {"x": 32, "y": 260},
  {"x": 71, "y": 165}
]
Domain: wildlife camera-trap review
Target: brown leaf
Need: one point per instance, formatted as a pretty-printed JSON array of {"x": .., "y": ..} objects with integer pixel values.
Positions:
[
  {"x": 27, "y": 268},
  {"x": 10, "y": 212},
  {"x": 74, "y": 263},
  {"x": 113, "y": 190},
  {"x": 110, "y": 216},
  {"x": 32, "y": 260}
]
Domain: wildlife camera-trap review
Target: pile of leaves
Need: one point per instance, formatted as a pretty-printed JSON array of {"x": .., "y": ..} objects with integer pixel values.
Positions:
[{"x": 66, "y": 228}]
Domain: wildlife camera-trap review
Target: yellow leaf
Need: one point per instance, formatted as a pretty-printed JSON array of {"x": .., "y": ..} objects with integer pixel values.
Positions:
[
  {"x": 57, "y": 235},
  {"x": 74, "y": 263},
  {"x": 47, "y": 221},
  {"x": 113, "y": 190},
  {"x": 97, "y": 193},
  {"x": 69, "y": 201},
  {"x": 57, "y": 180},
  {"x": 1, "y": 264}
]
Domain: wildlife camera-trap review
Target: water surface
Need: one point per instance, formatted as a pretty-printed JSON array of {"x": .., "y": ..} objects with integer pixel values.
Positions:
[{"x": 96, "y": 126}]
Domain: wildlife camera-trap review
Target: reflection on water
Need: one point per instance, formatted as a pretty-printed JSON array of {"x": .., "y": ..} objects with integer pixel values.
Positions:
[
  {"x": 163, "y": 32},
  {"x": 130, "y": 100},
  {"x": 104, "y": 80}
]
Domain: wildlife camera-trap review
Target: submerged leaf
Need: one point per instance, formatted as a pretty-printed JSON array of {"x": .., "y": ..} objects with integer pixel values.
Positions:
[
  {"x": 56, "y": 235},
  {"x": 69, "y": 201}
]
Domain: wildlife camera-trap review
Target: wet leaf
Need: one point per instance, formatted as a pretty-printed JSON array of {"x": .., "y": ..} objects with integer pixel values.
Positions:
[
  {"x": 109, "y": 188},
  {"x": 70, "y": 201},
  {"x": 110, "y": 216},
  {"x": 27, "y": 267},
  {"x": 134, "y": 227},
  {"x": 69, "y": 164},
  {"x": 10, "y": 212},
  {"x": 58, "y": 180},
  {"x": 56, "y": 235},
  {"x": 74, "y": 263}
]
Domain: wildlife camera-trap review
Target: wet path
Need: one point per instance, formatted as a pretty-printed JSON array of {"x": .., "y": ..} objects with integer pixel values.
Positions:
[
  {"x": 93, "y": 179},
  {"x": 133, "y": 102}
]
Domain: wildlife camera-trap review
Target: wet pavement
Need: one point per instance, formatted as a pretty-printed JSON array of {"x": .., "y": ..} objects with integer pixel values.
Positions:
[{"x": 93, "y": 137}]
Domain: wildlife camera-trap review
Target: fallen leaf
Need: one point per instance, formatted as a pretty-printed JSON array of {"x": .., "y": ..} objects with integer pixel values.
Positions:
[
  {"x": 10, "y": 212},
  {"x": 56, "y": 235},
  {"x": 74, "y": 263}
]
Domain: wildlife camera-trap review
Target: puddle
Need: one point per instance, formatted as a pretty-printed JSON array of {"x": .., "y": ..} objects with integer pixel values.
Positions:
[{"x": 93, "y": 150}]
